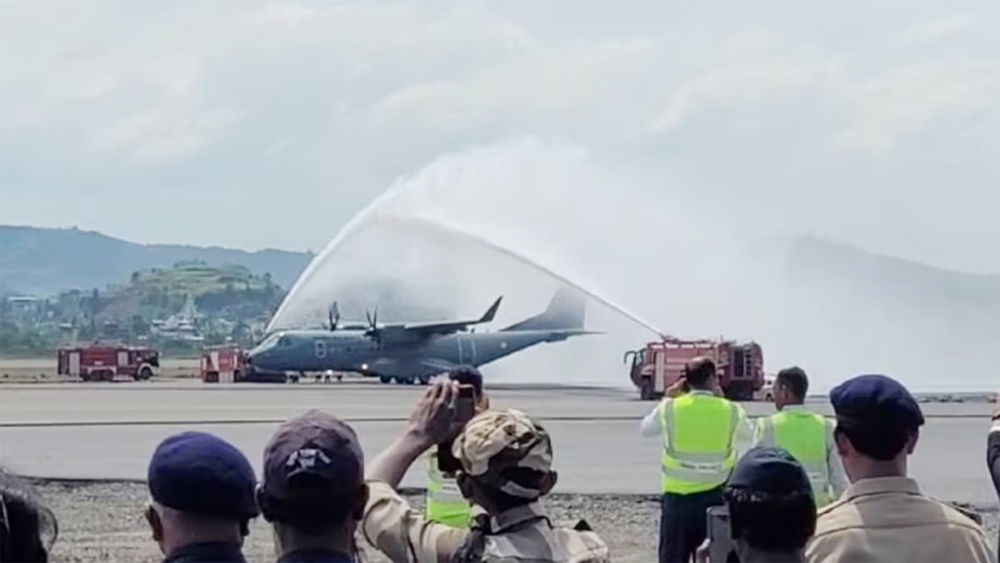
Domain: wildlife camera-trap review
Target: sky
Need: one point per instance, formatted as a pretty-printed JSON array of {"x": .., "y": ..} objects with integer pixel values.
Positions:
[{"x": 270, "y": 124}]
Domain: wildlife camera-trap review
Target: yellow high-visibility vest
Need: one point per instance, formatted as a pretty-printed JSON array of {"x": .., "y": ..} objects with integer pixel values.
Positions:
[
  {"x": 698, "y": 433},
  {"x": 444, "y": 503},
  {"x": 802, "y": 434}
]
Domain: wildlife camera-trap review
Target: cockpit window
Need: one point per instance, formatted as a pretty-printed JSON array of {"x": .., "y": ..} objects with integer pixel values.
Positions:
[{"x": 284, "y": 342}]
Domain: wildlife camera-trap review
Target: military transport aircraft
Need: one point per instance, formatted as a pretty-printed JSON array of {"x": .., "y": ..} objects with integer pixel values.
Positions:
[{"x": 414, "y": 352}]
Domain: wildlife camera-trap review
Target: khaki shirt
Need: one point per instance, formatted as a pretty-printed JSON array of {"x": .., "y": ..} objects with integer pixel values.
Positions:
[
  {"x": 404, "y": 535},
  {"x": 888, "y": 519}
]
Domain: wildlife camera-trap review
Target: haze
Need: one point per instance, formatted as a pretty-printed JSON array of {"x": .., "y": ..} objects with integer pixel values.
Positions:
[{"x": 646, "y": 150}]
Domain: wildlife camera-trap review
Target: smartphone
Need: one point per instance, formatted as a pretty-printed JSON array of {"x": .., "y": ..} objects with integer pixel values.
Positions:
[
  {"x": 465, "y": 407},
  {"x": 721, "y": 546}
]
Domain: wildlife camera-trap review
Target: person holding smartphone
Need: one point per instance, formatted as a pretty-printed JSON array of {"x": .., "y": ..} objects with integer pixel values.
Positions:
[
  {"x": 506, "y": 471},
  {"x": 444, "y": 502},
  {"x": 702, "y": 435}
]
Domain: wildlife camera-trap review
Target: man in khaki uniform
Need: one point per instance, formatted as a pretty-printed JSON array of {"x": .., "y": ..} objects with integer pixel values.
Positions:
[
  {"x": 506, "y": 460},
  {"x": 883, "y": 516}
]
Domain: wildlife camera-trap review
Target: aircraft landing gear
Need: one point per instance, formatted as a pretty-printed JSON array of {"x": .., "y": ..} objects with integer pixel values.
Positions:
[
  {"x": 424, "y": 380},
  {"x": 385, "y": 379}
]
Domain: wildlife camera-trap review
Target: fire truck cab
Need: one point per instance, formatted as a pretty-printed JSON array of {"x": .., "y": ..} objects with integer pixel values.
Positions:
[
  {"x": 740, "y": 366},
  {"x": 100, "y": 362}
]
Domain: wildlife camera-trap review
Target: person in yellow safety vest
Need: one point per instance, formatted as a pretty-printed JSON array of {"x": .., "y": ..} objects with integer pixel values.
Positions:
[
  {"x": 444, "y": 502},
  {"x": 703, "y": 435},
  {"x": 805, "y": 435}
]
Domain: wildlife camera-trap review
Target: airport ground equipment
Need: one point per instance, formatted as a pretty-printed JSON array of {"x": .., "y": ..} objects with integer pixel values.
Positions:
[
  {"x": 660, "y": 363},
  {"x": 104, "y": 362}
]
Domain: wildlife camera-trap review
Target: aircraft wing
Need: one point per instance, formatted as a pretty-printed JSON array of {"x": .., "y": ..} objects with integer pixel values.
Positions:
[{"x": 445, "y": 327}]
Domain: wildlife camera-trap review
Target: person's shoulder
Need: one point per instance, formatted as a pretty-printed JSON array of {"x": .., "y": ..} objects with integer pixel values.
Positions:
[
  {"x": 583, "y": 546},
  {"x": 958, "y": 516},
  {"x": 837, "y": 516}
]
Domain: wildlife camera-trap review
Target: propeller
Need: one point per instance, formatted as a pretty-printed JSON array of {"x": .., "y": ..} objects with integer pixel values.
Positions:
[
  {"x": 334, "y": 316},
  {"x": 373, "y": 331}
]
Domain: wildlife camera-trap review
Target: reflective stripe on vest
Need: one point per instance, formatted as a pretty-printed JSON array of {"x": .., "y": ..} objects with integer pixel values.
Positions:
[
  {"x": 802, "y": 434},
  {"x": 444, "y": 503},
  {"x": 698, "y": 435}
]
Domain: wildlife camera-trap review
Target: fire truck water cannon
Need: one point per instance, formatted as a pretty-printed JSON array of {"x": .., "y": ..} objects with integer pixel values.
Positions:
[{"x": 655, "y": 367}]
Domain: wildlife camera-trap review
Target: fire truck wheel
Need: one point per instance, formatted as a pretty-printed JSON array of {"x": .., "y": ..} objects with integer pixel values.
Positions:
[
  {"x": 145, "y": 373},
  {"x": 646, "y": 390}
]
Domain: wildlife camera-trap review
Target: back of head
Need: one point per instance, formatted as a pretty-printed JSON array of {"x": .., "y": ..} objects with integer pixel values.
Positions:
[
  {"x": 27, "y": 528},
  {"x": 877, "y": 414},
  {"x": 507, "y": 454},
  {"x": 203, "y": 475},
  {"x": 313, "y": 474},
  {"x": 794, "y": 381},
  {"x": 698, "y": 371},
  {"x": 770, "y": 501}
]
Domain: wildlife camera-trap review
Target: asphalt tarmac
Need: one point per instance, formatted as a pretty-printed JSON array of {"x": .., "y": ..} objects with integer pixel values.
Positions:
[{"x": 108, "y": 431}]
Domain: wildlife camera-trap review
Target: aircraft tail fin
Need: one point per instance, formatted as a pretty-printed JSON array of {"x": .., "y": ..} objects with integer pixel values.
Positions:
[
  {"x": 566, "y": 310},
  {"x": 492, "y": 311}
]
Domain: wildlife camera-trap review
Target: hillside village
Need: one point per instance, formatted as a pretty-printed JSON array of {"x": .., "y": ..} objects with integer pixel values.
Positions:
[{"x": 178, "y": 309}]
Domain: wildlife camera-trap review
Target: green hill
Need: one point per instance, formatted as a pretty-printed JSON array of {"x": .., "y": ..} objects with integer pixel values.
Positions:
[{"x": 40, "y": 261}]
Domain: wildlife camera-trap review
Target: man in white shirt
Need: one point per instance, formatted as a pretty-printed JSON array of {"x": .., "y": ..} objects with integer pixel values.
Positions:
[{"x": 702, "y": 436}]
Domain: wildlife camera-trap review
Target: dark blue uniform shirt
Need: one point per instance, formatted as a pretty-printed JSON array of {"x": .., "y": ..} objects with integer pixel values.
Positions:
[
  {"x": 207, "y": 552},
  {"x": 315, "y": 556}
]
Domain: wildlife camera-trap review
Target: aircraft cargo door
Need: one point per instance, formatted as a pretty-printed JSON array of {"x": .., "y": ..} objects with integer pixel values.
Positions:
[{"x": 466, "y": 351}]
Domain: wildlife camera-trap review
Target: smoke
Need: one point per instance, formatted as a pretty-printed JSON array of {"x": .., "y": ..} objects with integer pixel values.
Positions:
[{"x": 448, "y": 235}]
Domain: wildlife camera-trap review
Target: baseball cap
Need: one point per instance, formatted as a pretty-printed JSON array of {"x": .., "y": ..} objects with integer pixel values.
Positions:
[
  {"x": 769, "y": 470},
  {"x": 310, "y": 458},
  {"x": 875, "y": 401},
  {"x": 496, "y": 443},
  {"x": 202, "y": 474}
]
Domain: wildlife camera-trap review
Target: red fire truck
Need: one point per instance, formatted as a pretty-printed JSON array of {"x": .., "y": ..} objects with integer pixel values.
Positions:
[
  {"x": 228, "y": 364},
  {"x": 103, "y": 362},
  {"x": 221, "y": 364},
  {"x": 740, "y": 365}
]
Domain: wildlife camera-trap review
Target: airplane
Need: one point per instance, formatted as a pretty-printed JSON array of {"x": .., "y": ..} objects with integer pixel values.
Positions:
[{"x": 414, "y": 352}]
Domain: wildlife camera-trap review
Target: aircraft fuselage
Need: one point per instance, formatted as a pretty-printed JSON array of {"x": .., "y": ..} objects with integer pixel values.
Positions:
[{"x": 353, "y": 351}]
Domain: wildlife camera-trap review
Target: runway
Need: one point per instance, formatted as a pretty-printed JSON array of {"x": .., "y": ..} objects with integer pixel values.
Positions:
[{"x": 108, "y": 431}]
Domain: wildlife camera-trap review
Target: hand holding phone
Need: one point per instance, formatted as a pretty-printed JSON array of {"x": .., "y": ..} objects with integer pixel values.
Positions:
[
  {"x": 720, "y": 547},
  {"x": 465, "y": 406}
]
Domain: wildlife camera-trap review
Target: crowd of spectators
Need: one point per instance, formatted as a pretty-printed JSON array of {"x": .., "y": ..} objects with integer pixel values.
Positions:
[{"x": 320, "y": 498}]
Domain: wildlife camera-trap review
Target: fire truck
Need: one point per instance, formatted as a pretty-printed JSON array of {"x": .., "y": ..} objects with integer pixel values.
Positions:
[
  {"x": 221, "y": 364},
  {"x": 740, "y": 365},
  {"x": 227, "y": 364},
  {"x": 103, "y": 362}
]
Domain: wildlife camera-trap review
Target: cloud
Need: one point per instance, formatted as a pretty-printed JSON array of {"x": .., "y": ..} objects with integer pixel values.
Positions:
[
  {"x": 547, "y": 82},
  {"x": 165, "y": 134},
  {"x": 770, "y": 80},
  {"x": 913, "y": 97},
  {"x": 936, "y": 30},
  {"x": 338, "y": 98}
]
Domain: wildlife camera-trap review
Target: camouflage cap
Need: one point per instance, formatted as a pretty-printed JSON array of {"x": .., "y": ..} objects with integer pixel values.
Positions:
[{"x": 506, "y": 449}]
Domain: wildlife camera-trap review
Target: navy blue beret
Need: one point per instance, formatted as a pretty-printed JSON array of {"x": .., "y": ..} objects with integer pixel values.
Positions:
[
  {"x": 203, "y": 474},
  {"x": 875, "y": 401},
  {"x": 770, "y": 470}
]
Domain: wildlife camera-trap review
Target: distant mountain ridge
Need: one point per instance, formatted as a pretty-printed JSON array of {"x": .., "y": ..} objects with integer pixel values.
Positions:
[{"x": 44, "y": 261}]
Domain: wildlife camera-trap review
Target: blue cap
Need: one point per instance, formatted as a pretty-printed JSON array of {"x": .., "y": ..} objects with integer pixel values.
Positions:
[
  {"x": 203, "y": 474},
  {"x": 875, "y": 401},
  {"x": 770, "y": 470},
  {"x": 312, "y": 457}
]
